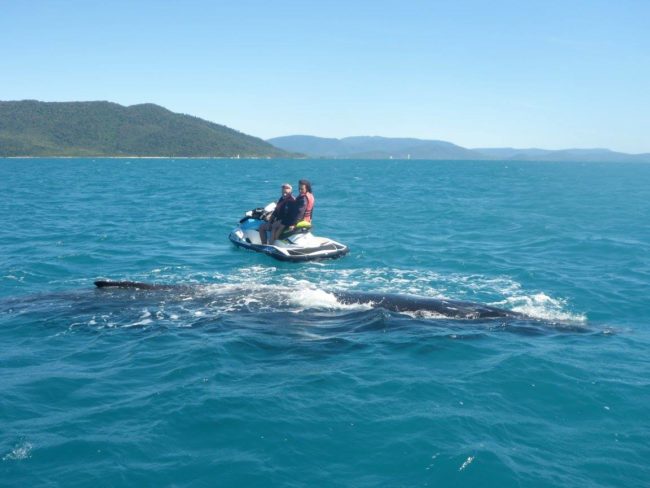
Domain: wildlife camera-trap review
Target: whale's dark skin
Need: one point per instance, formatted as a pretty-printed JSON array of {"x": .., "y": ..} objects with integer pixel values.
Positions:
[
  {"x": 388, "y": 301},
  {"x": 135, "y": 285},
  {"x": 412, "y": 303}
]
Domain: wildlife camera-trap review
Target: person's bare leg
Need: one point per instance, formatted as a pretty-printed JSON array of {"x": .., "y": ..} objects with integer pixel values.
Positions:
[
  {"x": 276, "y": 230},
  {"x": 263, "y": 229}
]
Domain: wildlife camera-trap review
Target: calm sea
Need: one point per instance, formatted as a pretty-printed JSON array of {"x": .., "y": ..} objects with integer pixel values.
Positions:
[{"x": 259, "y": 377}]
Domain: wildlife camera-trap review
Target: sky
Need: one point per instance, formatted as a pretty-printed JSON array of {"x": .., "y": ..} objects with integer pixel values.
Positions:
[{"x": 547, "y": 74}]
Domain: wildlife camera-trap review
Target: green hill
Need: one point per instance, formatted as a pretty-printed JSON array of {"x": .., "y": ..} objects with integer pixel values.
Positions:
[{"x": 32, "y": 128}]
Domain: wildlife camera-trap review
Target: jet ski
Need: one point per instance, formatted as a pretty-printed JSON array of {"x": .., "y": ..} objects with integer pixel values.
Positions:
[{"x": 297, "y": 245}]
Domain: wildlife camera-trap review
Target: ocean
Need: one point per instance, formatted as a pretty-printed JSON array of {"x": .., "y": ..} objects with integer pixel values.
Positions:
[{"x": 258, "y": 376}]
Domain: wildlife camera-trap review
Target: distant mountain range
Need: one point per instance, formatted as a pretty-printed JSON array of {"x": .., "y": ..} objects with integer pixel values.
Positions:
[
  {"x": 32, "y": 128},
  {"x": 83, "y": 129},
  {"x": 595, "y": 155},
  {"x": 404, "y": 148},
  {"x": 372, "y": 148}
]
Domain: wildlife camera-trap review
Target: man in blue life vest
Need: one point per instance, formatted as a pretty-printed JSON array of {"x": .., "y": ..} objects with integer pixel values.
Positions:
[
  {"x": 282, "y": 212},
  {"x": 300, "y": 211}
]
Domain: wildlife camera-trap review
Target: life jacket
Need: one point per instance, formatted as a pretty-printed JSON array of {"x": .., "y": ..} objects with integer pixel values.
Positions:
[{"x": 310, "y": 207}]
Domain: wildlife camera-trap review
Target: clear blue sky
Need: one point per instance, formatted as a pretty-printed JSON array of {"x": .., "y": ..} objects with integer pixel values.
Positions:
[{"x": 549, "y": 74}]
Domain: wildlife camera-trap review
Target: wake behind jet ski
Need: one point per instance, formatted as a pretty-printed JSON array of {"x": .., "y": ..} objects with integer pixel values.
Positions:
[{"x": 298, "y": 244}]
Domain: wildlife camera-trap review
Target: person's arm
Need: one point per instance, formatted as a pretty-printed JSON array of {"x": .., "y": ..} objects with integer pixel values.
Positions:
[
  {"x": 299, "y": 208},
  {"x": 275, "y": 213}
]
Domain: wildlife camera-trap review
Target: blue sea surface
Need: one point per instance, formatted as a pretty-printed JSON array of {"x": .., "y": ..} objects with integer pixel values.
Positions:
[{"x": 258, "y": 376}]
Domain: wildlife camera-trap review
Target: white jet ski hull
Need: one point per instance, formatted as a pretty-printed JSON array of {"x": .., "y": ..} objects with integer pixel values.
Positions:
[{"x": 303, "y": 246}]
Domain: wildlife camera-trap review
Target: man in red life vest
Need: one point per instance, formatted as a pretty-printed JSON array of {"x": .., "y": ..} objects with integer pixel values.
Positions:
[
  {"x": 282, "y": 211},
  {"x": 301, "y": 210}
]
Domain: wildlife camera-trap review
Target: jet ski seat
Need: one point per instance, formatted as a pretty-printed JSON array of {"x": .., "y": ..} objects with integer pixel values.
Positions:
[{"x": 301, "y": 227}]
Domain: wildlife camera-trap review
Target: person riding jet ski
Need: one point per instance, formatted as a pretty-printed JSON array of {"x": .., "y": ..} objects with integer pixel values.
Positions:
[
  {"x": 282, "y": 212},
  {"x": 300, "y": 211},
  {"x": 292, "y": 239}
]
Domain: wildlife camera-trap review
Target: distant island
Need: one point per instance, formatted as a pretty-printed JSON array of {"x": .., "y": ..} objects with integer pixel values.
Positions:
[
  {"x": 86, "y": 129},
  {"x": 30, "y": 128},
  {"x": 406, "y": 148}
]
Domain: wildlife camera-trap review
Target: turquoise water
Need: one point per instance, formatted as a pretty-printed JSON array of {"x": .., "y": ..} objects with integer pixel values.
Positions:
[{"x": 259, "y": 377}]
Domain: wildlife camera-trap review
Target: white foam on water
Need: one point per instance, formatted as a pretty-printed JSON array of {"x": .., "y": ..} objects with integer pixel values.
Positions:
[
  {"x": 139, "y": 323},
  {"x": 542, "y": 306},
  {"x": 145, "y": 319},
  {"x": 467, "y": 462},
  {"x": 22, "y": 450},
  {"x": 296, "y": 293},
  {"x": 314, "y": 298},
  {"x": 426, "y": 315}
]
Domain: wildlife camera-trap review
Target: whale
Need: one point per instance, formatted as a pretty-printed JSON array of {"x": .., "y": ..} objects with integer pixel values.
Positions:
[
  {"x": 393, "y": 302},
  {"x": 412, "y": 303}
]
